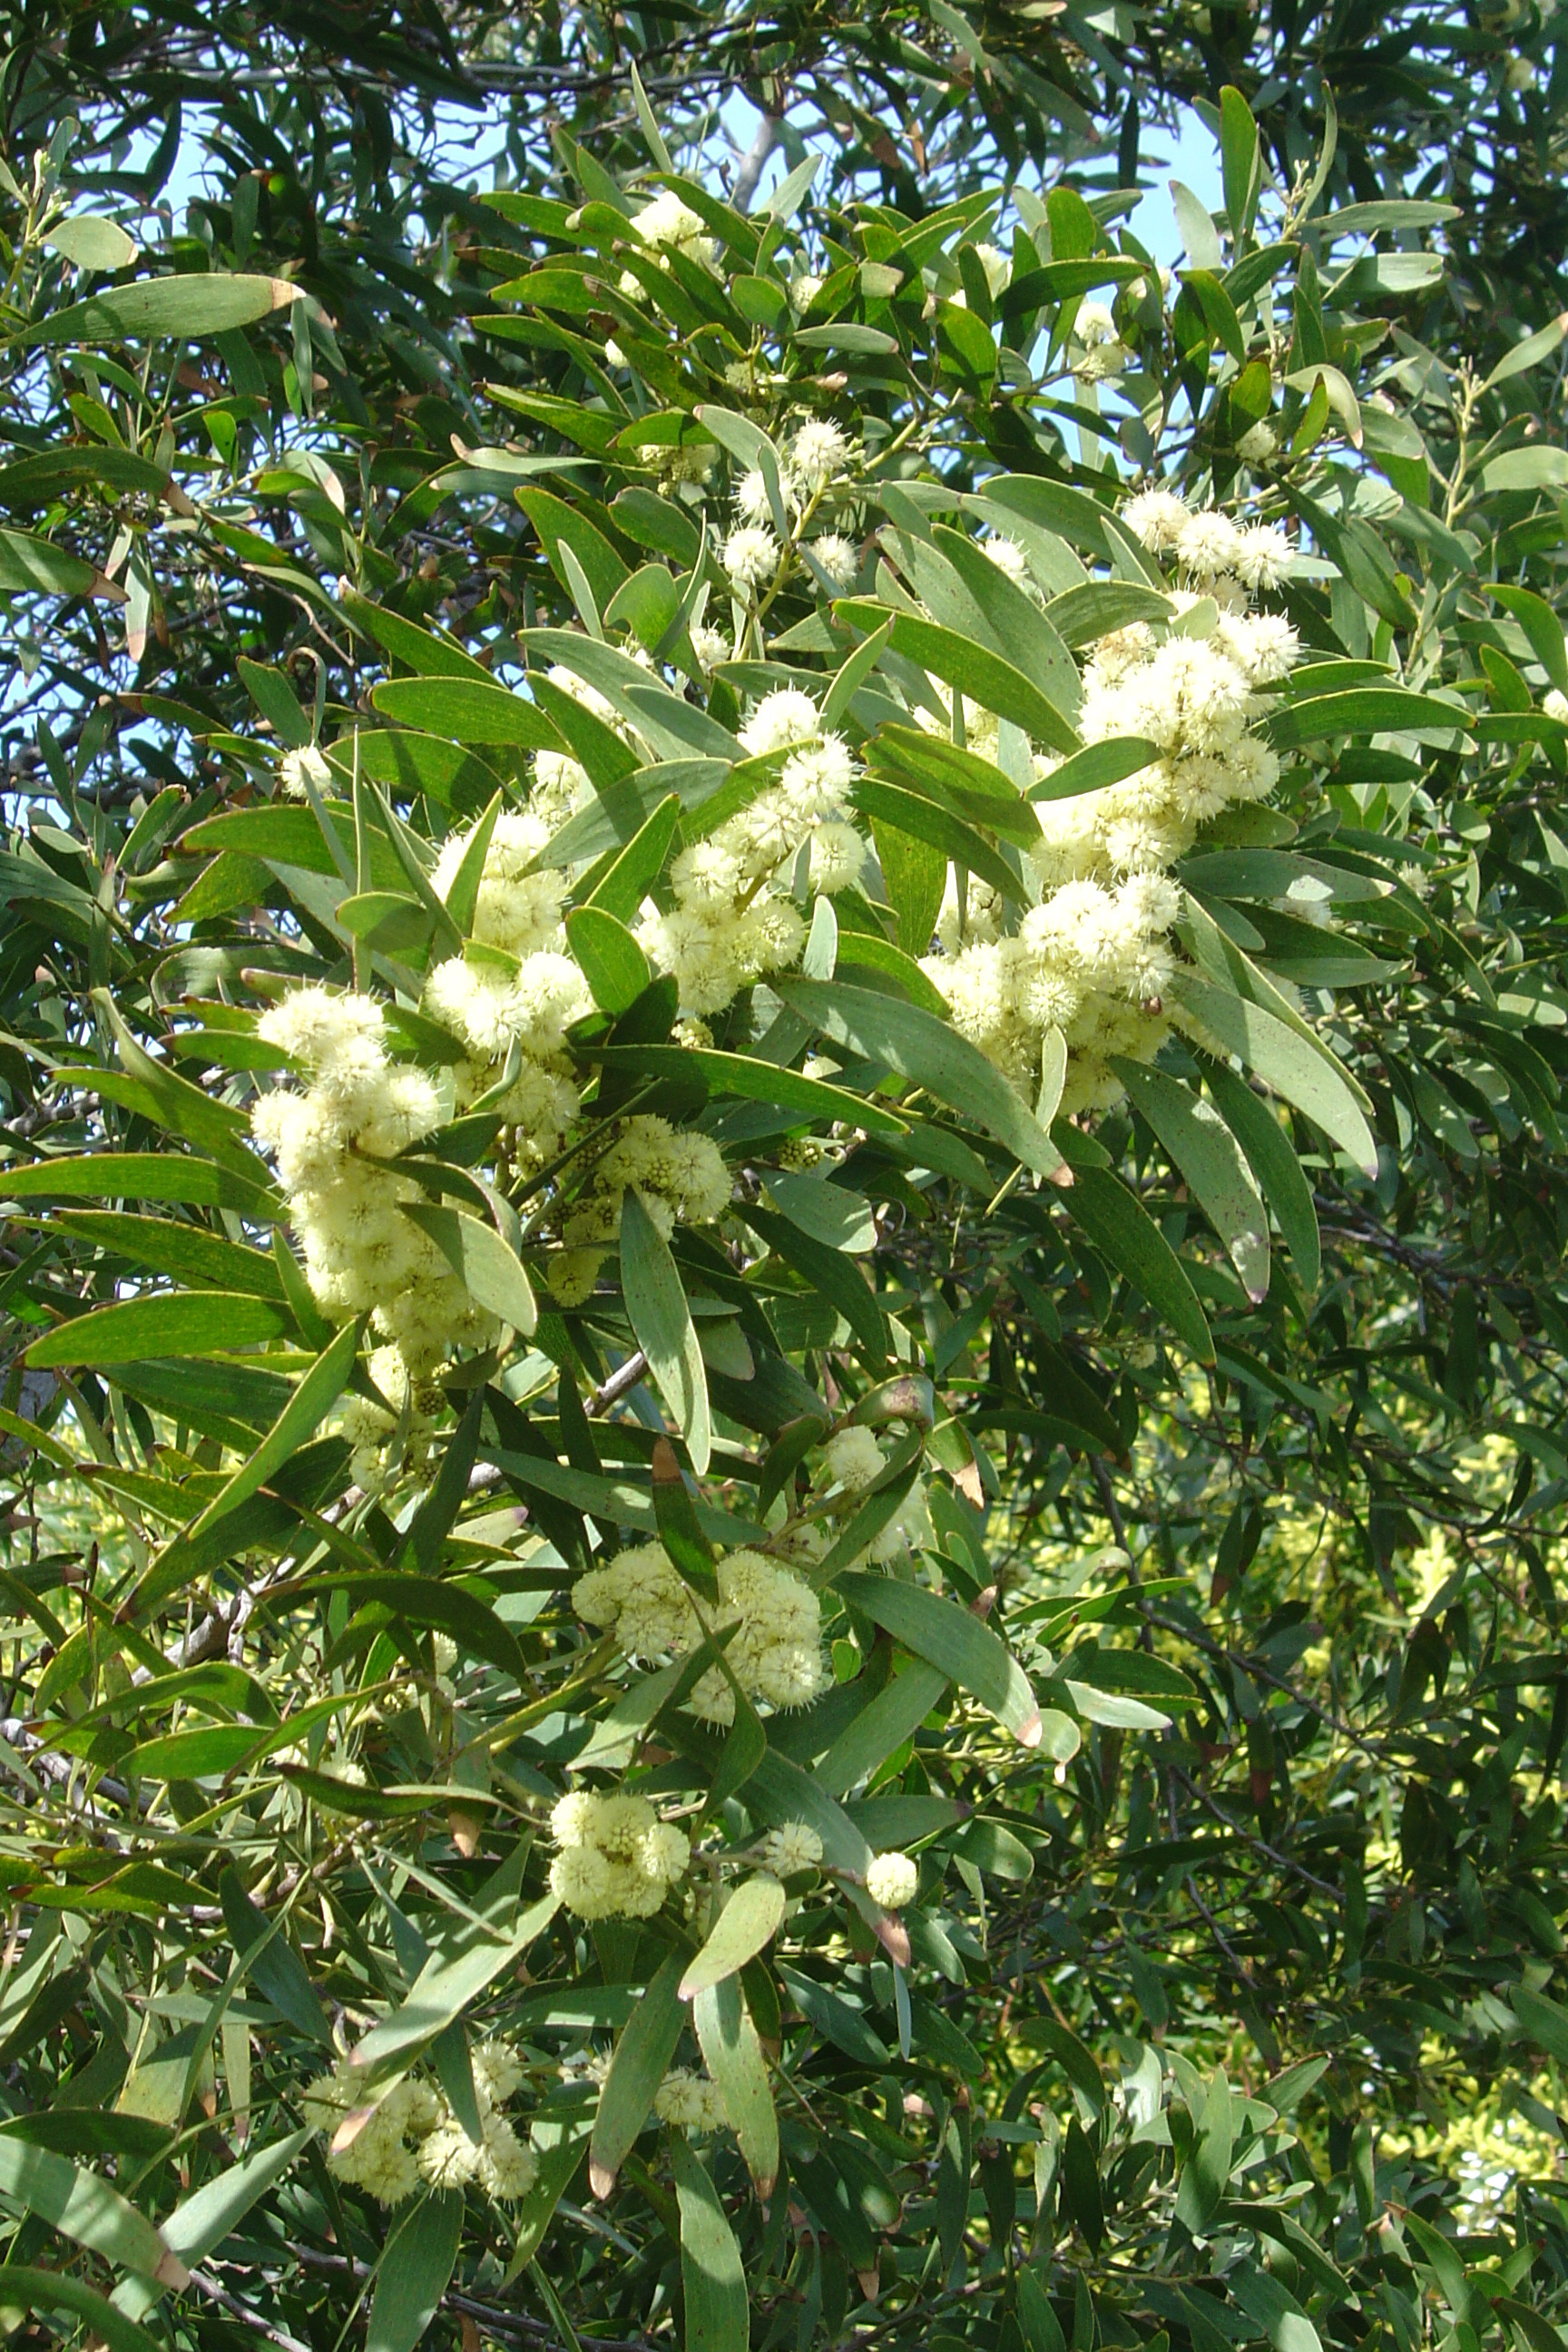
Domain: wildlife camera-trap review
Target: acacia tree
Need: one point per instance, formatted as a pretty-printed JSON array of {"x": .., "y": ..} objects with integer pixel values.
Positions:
[{"x": 801, "y": 966}]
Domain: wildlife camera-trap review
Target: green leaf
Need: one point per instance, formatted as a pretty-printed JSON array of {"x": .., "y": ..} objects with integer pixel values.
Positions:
[
  {"x": 201, "y": 2220},
  {"x": 637, "y": 2068},
  {"x": 1024, "y": 634},
  {"x": 487, "y": 1266},
  {"x": 1081, "y": 616},
  {"x": 655, "y": 1302},
  {"x": 712, "y": 2277},
  {"x": 87, "y": 2209},
  {"x": 748, "y": 1921},
  {"x": 1241, "y": 160},
  {"x": 842, "y": 2023},
  {"x": 186, "y": 307},
  {"x": 1206, "y": 2170},
  {"x": 994, "y": 684},
  {"x": 829, "y": 1270},
  {"x": 563, "y": 530},
  {"x": 187, "y": 1253},
  {"x": 971, "y": 787},
  {"x": 914, "y": 875},
  {"x": 449, "y": 1984},
  {"x": 1541, "y": 627},
  {"x": 1545, "y": 2021},
  {"x": 733, "y": 2054},
  {"x": 467, "y": 713},
  {"x": 621, "y": 891},
  {"x": 266, "y": 1957},
  {"x": 883, "y": 1725},
  {"x": 172, "y": 1323},
  {"x": 1274, "y": 1163},
  {"x": 415, "y": 2272},
  {"x": 138, "y": 1176},
  {"x": 947, "y": 1636},
  {"x": 32, "y": 565},
  {"x": 472, "y": 1623},
  {"x": 852, "y": 675},
  {"x": 1529, "y": 352},
  {"x": 1204, "y": 1151},
  {"x": 1368, "y": 710},
  {"x": 1121, "y": 1228},
  {"x": 50, "y": 2290},
  {"x": 612, "y": 962},
  {"x": 1286, "y": 1063},
  {"x": 874, "y": 953},
  {"x": 425, "y": 652},
  {"x": 1218, "y": 312},
  {"x": 302, "y": 1415},
  {"x": 924, "y": 1050},
  {"x": 285, "y": 835}
]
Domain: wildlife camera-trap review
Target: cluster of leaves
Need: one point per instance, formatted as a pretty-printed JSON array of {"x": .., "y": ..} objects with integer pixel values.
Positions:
[{"x": 1241, "y": 1868}]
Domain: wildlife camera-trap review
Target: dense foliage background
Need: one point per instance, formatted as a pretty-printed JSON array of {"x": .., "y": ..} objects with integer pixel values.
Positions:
[{"x": 1219, "y": 1697}]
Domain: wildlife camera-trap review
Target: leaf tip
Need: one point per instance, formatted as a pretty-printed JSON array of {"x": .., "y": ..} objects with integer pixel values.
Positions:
[
  {"x": 1031, "y": 1731},
  {"x": 172, "y": 2272},
  {"x": 600, "y": 2178}
]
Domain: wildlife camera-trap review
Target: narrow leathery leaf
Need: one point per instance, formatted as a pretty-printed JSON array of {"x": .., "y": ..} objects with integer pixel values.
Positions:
[
  {"x": 299, "y": 1419},
  {"x": 270, "y": 1963},
  {"x": 186, "y": 1252},
  {"x": 467, "y": 713},
  {"x": 187, "y": 309},
  {"x": 1120, "y": 1227},
  {"x": 140, "y": 1176},
  {"x": 892, "y": 808},
  {"x": 733, "y": 2054},
  {"x": 463, "y": 896},
  {"x": 985, "y": 677},
  {"x": 425, "y": 652},
  {"x": 447, "y": 1984},
  {"x": 446, "y": 1606},
  {"x": 655, "y": 1302},
  {"x": 973, "y": 788},
  {"x": 642, "y": 2054},
  {"x": 1023, "y": 630},
  {"x": 851, "y": 676},
  {"x": 1273, "y": 1163},
  {"x": 839, "y": 2020},
  {"x": 86, "y": 2210},
  {"x": 1366, "y": 710},
  {"x": 914, "y": 874},
  {"x": 162, "y": 1323},
  {"x": 487, "y": 1266},
  {"x": 753, "y": 1080},
  {"x": 621, "y": 890},
  {"x": 893, "y": 1715},
  {"x": 948, "y": 1636},
  {"x": 713, "y": 2279},
  {"x": 1206, "y": 2171},
  {"x": 748, "y": 1921},
  {"x": 55, "y": 2290},
  {"x": 438, "y": 1514},
  {"x": 416, "y": 2272},
  {"x": 205, "y": 2219},
  {"x": 612, "y": 962},
  {"x": 829, "y": 1270},
  {"x": 1287, "y": 1064},
  {"x": 922, "y": 1049},
  {"x": 779, "y": 1791},
  {"x": 1204, "y": 1151}
]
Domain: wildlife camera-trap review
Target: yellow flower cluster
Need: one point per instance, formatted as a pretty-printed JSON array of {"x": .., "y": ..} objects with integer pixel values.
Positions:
[
  {"x": 774, "y": 1653},
  {"x": 413, "y": 2136},
  {"x": 360, "y": 1109},
  {"x": 616, "y": 1859}
]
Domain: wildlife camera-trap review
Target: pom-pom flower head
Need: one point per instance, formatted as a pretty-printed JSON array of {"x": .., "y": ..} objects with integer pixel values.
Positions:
[
  {"x": 892, "y": 1880},
  {"x": 617, "y": 1859}
]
